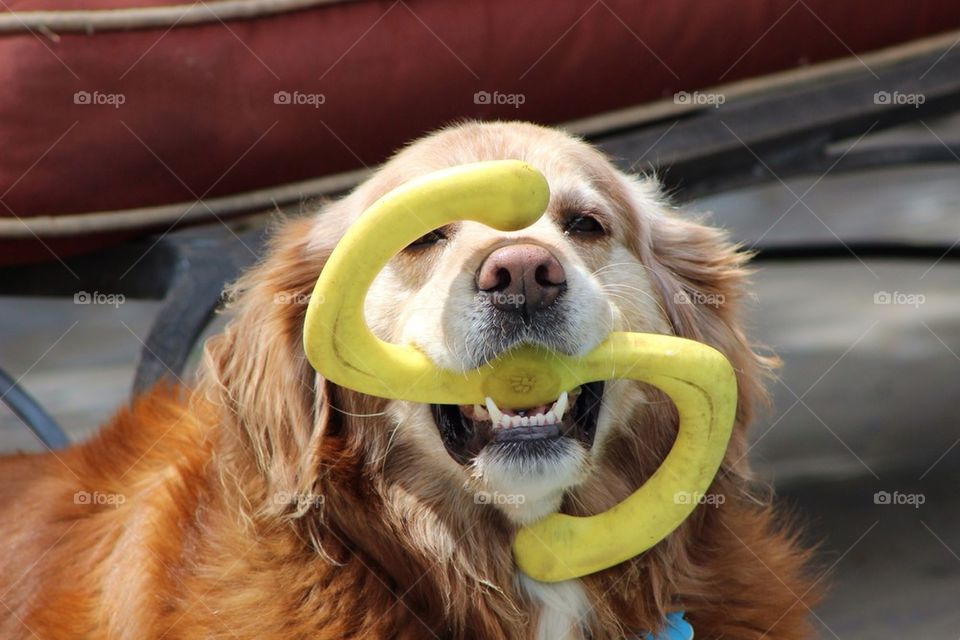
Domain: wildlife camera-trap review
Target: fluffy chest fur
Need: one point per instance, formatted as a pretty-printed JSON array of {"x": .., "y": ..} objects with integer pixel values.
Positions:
[{"x": 563, "y": 609}]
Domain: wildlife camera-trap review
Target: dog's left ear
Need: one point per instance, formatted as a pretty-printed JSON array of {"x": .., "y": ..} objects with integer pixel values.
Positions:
[
  {"x": 702, "y": 279},
  {"x": 256, "y": 373}
]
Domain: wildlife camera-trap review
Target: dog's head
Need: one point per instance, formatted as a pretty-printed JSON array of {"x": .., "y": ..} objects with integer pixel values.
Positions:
[
  {"x": 595, "y": 262},
  {"x": 607, "y": 255}
]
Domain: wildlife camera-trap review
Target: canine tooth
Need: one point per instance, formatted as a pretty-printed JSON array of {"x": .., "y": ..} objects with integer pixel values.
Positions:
[
  {"x": 495, "y": 413},
  {"x": 479, "y": 413},
  {"x": 560, "y": 406}
]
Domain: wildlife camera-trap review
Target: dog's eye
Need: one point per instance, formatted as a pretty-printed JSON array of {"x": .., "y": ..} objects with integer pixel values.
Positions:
[
  {"x": 583, "y": 224},
  {"x": 427, "y": 239}
]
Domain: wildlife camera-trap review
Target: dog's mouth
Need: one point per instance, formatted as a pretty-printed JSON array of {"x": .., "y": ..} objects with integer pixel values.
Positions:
[{"x": 467, "y": 429}]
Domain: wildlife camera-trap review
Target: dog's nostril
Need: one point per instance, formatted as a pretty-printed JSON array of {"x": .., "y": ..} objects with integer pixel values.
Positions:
[
  {"x": 550, "y": 274},
  {"x": 493, "y": 276},
  {"x": 502, "y": 280}
]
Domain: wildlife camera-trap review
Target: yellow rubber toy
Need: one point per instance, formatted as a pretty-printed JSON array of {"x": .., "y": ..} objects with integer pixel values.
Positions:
[{"x": 510, "y": 195}]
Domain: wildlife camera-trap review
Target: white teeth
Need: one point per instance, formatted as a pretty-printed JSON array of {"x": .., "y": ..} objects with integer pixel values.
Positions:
[
  {"x": 500, "y": 419},
  {"x": 560, "y": 406},
  {"x": 495, "y": 413},
  {"x": 480, "y": 413}
]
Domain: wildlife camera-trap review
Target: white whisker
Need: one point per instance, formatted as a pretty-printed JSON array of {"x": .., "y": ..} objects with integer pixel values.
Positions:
[{"x": 358, "y": 415}]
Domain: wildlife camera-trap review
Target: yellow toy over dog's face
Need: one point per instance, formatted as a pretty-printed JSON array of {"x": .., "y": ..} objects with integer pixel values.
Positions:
[{"x": 533, "y": 402}]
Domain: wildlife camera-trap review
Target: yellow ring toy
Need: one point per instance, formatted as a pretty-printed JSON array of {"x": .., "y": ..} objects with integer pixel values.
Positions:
[{"x": 510, "y": 195}]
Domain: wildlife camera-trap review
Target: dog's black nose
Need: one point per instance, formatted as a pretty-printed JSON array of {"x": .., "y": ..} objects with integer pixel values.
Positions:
[{"x": 522, "y": 278}]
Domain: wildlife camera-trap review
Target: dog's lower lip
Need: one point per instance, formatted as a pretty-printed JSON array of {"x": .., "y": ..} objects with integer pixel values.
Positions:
[
  {"x": 467, "y": 430},
  {"x": 526, "y": 434}
]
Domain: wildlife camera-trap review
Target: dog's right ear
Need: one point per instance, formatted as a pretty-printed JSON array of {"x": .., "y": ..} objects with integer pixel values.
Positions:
[
  {"x": 702, "y": 278},
  {"x": 272, "y": 404}
]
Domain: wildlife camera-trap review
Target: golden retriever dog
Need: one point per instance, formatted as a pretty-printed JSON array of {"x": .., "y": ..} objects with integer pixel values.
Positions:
[{"x": 266, "y": 502}]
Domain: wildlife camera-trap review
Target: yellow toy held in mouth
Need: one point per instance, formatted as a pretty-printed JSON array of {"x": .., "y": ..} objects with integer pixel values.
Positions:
[{"x": 509, "y": 195}]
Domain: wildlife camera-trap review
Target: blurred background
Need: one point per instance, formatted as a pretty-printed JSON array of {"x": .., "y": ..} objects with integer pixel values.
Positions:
[{"x": 146, "y": 150}]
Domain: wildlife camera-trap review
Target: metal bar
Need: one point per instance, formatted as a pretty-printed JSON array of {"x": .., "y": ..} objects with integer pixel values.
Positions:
[{"x": 31, "y": 413}]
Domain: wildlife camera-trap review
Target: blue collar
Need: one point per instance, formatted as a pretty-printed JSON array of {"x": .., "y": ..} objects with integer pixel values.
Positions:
[{"x": 677, "y": 629}]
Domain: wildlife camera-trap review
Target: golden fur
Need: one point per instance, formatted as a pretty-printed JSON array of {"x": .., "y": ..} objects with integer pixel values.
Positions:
[{"x": 268, "y": 503}]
